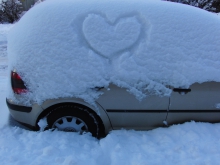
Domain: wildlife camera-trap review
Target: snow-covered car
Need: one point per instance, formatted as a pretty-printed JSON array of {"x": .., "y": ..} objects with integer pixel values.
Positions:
[{"x": 94, "y": 66}]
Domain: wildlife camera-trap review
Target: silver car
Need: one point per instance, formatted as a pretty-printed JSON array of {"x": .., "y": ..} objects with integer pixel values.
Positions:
[
  {"x": 117, "y": 109},
  {"x": 63, "y": 55}
]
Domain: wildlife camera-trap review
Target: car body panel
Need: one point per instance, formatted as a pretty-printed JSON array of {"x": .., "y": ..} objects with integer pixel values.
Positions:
[
  {"x": 125, "y": 111},
  {"x": 97, "y": 108},
  {"x": 201, "y": 104},
  {"x": 28, "y": 118},
  {"x": 118, "y": 108},
  {"x": 31, "y": 118}
]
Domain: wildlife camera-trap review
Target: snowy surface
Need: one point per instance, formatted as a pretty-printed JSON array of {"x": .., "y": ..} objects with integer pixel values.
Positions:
[
  {"x": 4, "y": 28},
  {"x": 3, "y": 70},
  {"x": 64, "y": 49},
  {"x": 189, "y": 143}
]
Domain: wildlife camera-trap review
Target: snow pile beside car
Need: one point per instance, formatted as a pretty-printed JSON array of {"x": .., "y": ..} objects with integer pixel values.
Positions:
[
  {"x": 4, "y": 28},
  {"x": 189, "y": 143},
  {"x": 67, "y": 48}
]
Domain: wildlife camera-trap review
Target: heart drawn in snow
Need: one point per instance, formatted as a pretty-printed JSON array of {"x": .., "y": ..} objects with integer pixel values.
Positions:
[{"x": 107, "y": 38}]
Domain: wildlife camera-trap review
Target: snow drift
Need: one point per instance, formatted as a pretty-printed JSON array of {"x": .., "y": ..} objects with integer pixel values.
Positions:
[{"x": 66, "y": 48}]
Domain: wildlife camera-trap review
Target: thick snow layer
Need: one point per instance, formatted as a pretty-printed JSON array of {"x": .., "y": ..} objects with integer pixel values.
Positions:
[
  {"x": 66, "y": 48},
  {"x": 189, "y": 143},
  {"x": 3, "y": 108},
  {"x": 4, "y": 28}
]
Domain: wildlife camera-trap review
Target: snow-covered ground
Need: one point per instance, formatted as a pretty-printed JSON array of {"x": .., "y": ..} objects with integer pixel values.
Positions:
[
  {"x": 3, "y": 72},
  {"x": 189, "y": 143}
]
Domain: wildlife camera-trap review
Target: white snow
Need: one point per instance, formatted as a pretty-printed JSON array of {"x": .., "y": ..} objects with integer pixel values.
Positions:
[
  {"x": 217, "y": 105},
  {"x": 66, "y": 48},
  {"x": 189, "y": 143},
  {"x": 42, "y": 124},
  {"x": 4, "y": 28},
  {"x": 108, "y": 39}
]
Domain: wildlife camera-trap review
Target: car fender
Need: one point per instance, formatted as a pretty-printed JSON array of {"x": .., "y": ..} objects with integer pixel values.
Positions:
[{"x": 98, "y": 109}]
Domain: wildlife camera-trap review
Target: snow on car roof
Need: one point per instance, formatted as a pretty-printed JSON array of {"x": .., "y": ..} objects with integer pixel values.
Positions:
[{"x": 66, "y": 48}]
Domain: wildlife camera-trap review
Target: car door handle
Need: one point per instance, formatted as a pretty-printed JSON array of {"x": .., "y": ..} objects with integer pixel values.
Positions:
[
  {"x": 181, "y": 90},
  {"x": 98, "y": 88}
]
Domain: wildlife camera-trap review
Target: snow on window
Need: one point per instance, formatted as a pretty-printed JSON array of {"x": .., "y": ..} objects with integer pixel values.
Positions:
[{"x": 67, "y": 48}]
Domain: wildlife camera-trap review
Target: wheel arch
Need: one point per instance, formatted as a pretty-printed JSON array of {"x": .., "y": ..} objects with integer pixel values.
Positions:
[{"x": 100, "y": 113}]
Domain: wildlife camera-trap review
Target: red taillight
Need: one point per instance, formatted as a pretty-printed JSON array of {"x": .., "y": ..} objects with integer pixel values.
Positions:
[
  {"x": 14, "y": 75},
  {"x": 17, "y": 83},
  {"x": 19, "y": 90}
]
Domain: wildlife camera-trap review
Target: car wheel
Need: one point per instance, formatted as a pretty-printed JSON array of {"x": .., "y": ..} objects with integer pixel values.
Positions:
[{"x": 72, "y": 118}]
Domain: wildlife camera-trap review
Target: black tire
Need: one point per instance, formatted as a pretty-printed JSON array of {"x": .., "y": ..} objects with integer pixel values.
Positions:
[{"x": 76, "y": 119}]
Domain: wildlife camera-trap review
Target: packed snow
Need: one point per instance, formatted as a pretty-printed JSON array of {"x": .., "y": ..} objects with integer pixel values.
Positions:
[
  {"x": 189, "y": 143},
  {"x": 3, "y": 47},
  {"x": 3, "y": 70},
  {"x": 74, "y": 46}
]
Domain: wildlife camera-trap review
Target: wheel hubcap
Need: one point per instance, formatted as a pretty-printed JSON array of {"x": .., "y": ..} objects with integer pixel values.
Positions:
[{"x": 70, "y": 124}]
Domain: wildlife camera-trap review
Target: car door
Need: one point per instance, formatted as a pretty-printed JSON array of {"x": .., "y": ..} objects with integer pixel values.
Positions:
[
  {"x": 125, "y": 111},
  {"x": 201, "y": 102}
]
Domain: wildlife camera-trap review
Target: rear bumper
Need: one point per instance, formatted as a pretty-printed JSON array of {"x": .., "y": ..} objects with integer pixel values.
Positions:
[
  {"x": 18, "y": 108},
  {"x": 25, "y": 115}
]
